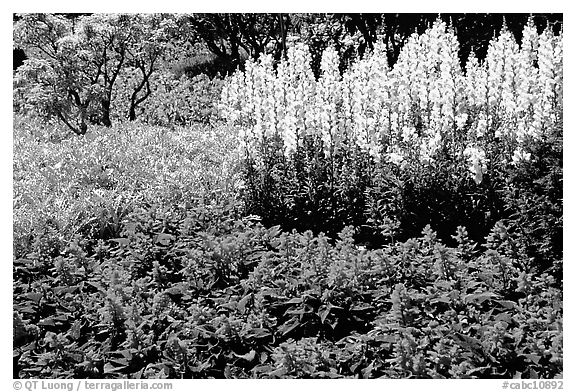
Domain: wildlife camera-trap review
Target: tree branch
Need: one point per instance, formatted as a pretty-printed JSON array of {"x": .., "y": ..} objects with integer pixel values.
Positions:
[{"x": 77, "y": 131}]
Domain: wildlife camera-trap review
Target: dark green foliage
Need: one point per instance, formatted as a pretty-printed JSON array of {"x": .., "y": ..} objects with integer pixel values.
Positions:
[
  {"x": 332, "y": 265},
  {"x": 385, "y": 202},
  {"x": 534, "y": 199},
  {"x": 309, "y": 190},
  {"x": 199, "y": 292}
]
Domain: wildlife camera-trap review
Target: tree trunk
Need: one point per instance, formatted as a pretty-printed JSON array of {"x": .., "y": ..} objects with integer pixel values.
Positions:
[
  {"x": 106, "y": 113},
  {"x": 134, "y": 100},
  {"x": 132, "y": 114},
  {"x": 81, "y": 130}
]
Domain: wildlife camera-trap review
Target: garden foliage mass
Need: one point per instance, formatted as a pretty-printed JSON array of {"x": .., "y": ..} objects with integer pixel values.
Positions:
[{"x": 384, "y": 222}]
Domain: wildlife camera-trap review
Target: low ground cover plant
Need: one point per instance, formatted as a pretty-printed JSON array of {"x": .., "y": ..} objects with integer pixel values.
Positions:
[
  {"x": 201, "y": 292},
  {"x": 85, "y": 186}
]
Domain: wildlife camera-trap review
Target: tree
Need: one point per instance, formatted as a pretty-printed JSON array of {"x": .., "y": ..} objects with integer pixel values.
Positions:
[
  {"x": 153, "y": 40},
  {"x": 232, "y": 37},
  {"x": 53, "y": 81},
  {"x": 74, "y": 63}
]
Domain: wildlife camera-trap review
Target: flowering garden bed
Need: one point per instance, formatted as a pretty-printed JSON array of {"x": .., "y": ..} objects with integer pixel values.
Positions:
[{"x": 384, "y": 222}]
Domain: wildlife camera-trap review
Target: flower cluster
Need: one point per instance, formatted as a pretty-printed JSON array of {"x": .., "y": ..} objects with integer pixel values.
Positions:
[
  {"x": 477, "y": 159},
  {"x": 424, "y": 105}
]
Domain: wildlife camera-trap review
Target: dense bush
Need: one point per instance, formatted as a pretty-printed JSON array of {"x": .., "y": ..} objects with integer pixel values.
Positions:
[
  {"x": 198, "y": 291},
  {"x": 534, "y": 201},
  {"x": 173, "y": 101}
]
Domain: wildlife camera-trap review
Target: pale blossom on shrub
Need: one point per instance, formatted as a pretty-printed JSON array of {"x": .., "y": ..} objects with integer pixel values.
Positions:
[
  {"x": 478, "y": 162},
  {"x": 520, "y": 156},
  {"x": 461, "y": 120},
  {"x": 395, "y": 158},
  {"x": 429, "y": 146}
]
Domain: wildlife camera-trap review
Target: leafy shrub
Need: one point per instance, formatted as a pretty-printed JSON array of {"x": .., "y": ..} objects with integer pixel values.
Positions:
[
  {"x": 192, "y": 289},
  {"x": 533, "y": 194},
  {"x": 173, "y": 101}
]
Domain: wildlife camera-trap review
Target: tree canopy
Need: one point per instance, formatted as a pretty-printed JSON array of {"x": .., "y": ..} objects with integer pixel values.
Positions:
[{"x": 75, "y": 63}]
